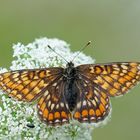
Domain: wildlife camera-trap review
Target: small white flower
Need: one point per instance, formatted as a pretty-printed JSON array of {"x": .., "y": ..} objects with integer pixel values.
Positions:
[{"x": 19, "y": 120}]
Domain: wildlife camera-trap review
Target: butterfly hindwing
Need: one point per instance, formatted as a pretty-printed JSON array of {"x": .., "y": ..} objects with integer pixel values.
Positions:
[
  {"x": 114, "y": 78},
  {"x": 52, "y": 106},
  {"x": 27, "y": 85},
  {"x": 92, "y": 104}
]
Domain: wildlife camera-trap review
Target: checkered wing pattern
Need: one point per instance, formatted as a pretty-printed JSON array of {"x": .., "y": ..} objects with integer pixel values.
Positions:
[
  {"x": 53, "y": 108},
  {"x": 92, "y": 104},
  {"x": 97, "y": 82},
  {"x": 94, "y": 84},
  {"x": 43, "y": 84},
  {"x": 28, "y": 85},
  {"x": 114, "y": 79}
]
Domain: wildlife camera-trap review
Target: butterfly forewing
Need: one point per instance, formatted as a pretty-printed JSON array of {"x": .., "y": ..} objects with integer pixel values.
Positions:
[
  {"x": 27, "y": 85},
  {"x": 114, "y": 79}
]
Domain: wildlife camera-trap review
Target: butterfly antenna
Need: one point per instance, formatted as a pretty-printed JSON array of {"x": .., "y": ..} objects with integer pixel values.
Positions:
[
  {"x": 57, "y": 53},
  {"x": 81, "y": 50}
]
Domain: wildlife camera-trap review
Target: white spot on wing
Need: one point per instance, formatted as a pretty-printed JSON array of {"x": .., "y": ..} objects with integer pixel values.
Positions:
[
  {"x": 84, "y": 103},
  {"x": 52, "y": 106},
  {"x": 54, "y": 84},
  {"x": 40, "y": 112},
  {"x": 57, "y": 106},
  {"x": 48, "y": 97},
  {"x": 62, "y": 104},
  {"x": 64, "y": 120},
  {"x": 57, "y": 121},
  {"x": 46, "y": 93},
  {"x": 49, "y": 103},
  {"x": 78, "y": 104}
]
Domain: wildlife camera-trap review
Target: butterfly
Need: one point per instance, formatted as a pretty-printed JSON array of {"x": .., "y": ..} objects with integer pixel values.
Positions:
[{"x": 81, "y": 93}]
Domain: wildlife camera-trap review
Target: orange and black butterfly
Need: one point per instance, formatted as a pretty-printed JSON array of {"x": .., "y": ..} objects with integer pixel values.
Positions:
[{"x": 81, "y": 93}]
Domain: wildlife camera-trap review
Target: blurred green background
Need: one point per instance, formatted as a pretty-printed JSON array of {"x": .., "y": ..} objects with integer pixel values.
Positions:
[{"x": 112, "y": 25}]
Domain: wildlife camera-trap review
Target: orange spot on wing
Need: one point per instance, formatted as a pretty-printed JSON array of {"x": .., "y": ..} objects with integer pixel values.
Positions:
[
  {"x": 6, "y": 74},
  {"x": 128, "y": 77},
  {"x": 19, "y": 96},
  {"x": 26, "y": 79},
  {"x": 33, "y": 84},
  {"x": 113, "y": 91},
  {"x": 77, "y": 115},
  {"x": 84, "y": 113},
  {"x": 43, "y": 106},
  {"x": 103, "y": 94},
  {"x": 134, "y": 70},
  {"x": 9, "y": 84},
  {"x": 98, "y": 113},
  {"x": 124, "y": 89},
  {"x": 102, "y": 108},
  {"x": 14, "y": 92},
  {"x": 108, "y": 69},
  {"x": 122, "y": 80},
  {"x": 91, "y": 112},
  {"x": 117, "y": 85},
  {"x": 6, "y": 80},
  {"x": 41, "y": 84},
  {"x": 114, "y": 76},
  {"x": 63, "y": 114},
  {"x": 98, "y": 70},
  {"x": 56, "y": 115},
  {"x": 128, "y": 84},
  {"x": 133, "y": 64},
  {"x": 48, "y": 73},
  {"x": 109, "y": 79},
  {"x": 13, "y": 85},
  {"x": 42, "y": 74},
  {"x": 100, "y": 80},
  {"x": 36, "y": 90},
  {"x": 105, "y": 85},
  {"x": 26, "y": 82},
  {"x": 41, "y": 101},
  {"x": 29, "y": 96},
  {"x": 25, "y": 91},
  {"x": 115, "y": 72},
  {"x": 103, "y": 101},
  {"x": 131, "y": 74},
  {"x": 45, "y": 113},
  {"x": 50, "y": 117},
  {"x": 19, "y": 87}
]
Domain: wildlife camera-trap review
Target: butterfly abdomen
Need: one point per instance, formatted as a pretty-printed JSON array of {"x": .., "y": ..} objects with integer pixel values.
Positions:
[
  {"x": 71, "y": 94},
  {"x": 71, "y": 91}
]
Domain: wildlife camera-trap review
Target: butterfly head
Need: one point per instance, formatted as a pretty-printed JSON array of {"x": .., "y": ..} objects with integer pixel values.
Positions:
[
  {"x": 70, "y": 70},
  {"x": 70, "y": 65}
]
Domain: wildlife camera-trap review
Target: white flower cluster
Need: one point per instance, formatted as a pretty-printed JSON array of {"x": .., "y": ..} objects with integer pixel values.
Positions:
[{"x": 19, "y": 120}]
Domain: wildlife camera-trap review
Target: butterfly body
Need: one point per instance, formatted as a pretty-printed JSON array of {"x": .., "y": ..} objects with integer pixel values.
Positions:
[
  {"x": 70, "y": 91},
  {"x": 81, "y": 93}
]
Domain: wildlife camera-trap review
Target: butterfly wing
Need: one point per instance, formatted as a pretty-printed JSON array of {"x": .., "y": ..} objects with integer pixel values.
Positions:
[
  {"x": 92, "y": 103},
  {"x": 52, "y": 106},
  {"x": 114, "y": 79},
  {"x": 97, "y": 82},
  {"x": 28, "y": 85}
]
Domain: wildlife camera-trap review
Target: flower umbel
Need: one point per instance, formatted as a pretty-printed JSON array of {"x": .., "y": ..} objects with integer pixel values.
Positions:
[{"x": 19, "y": 120}]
